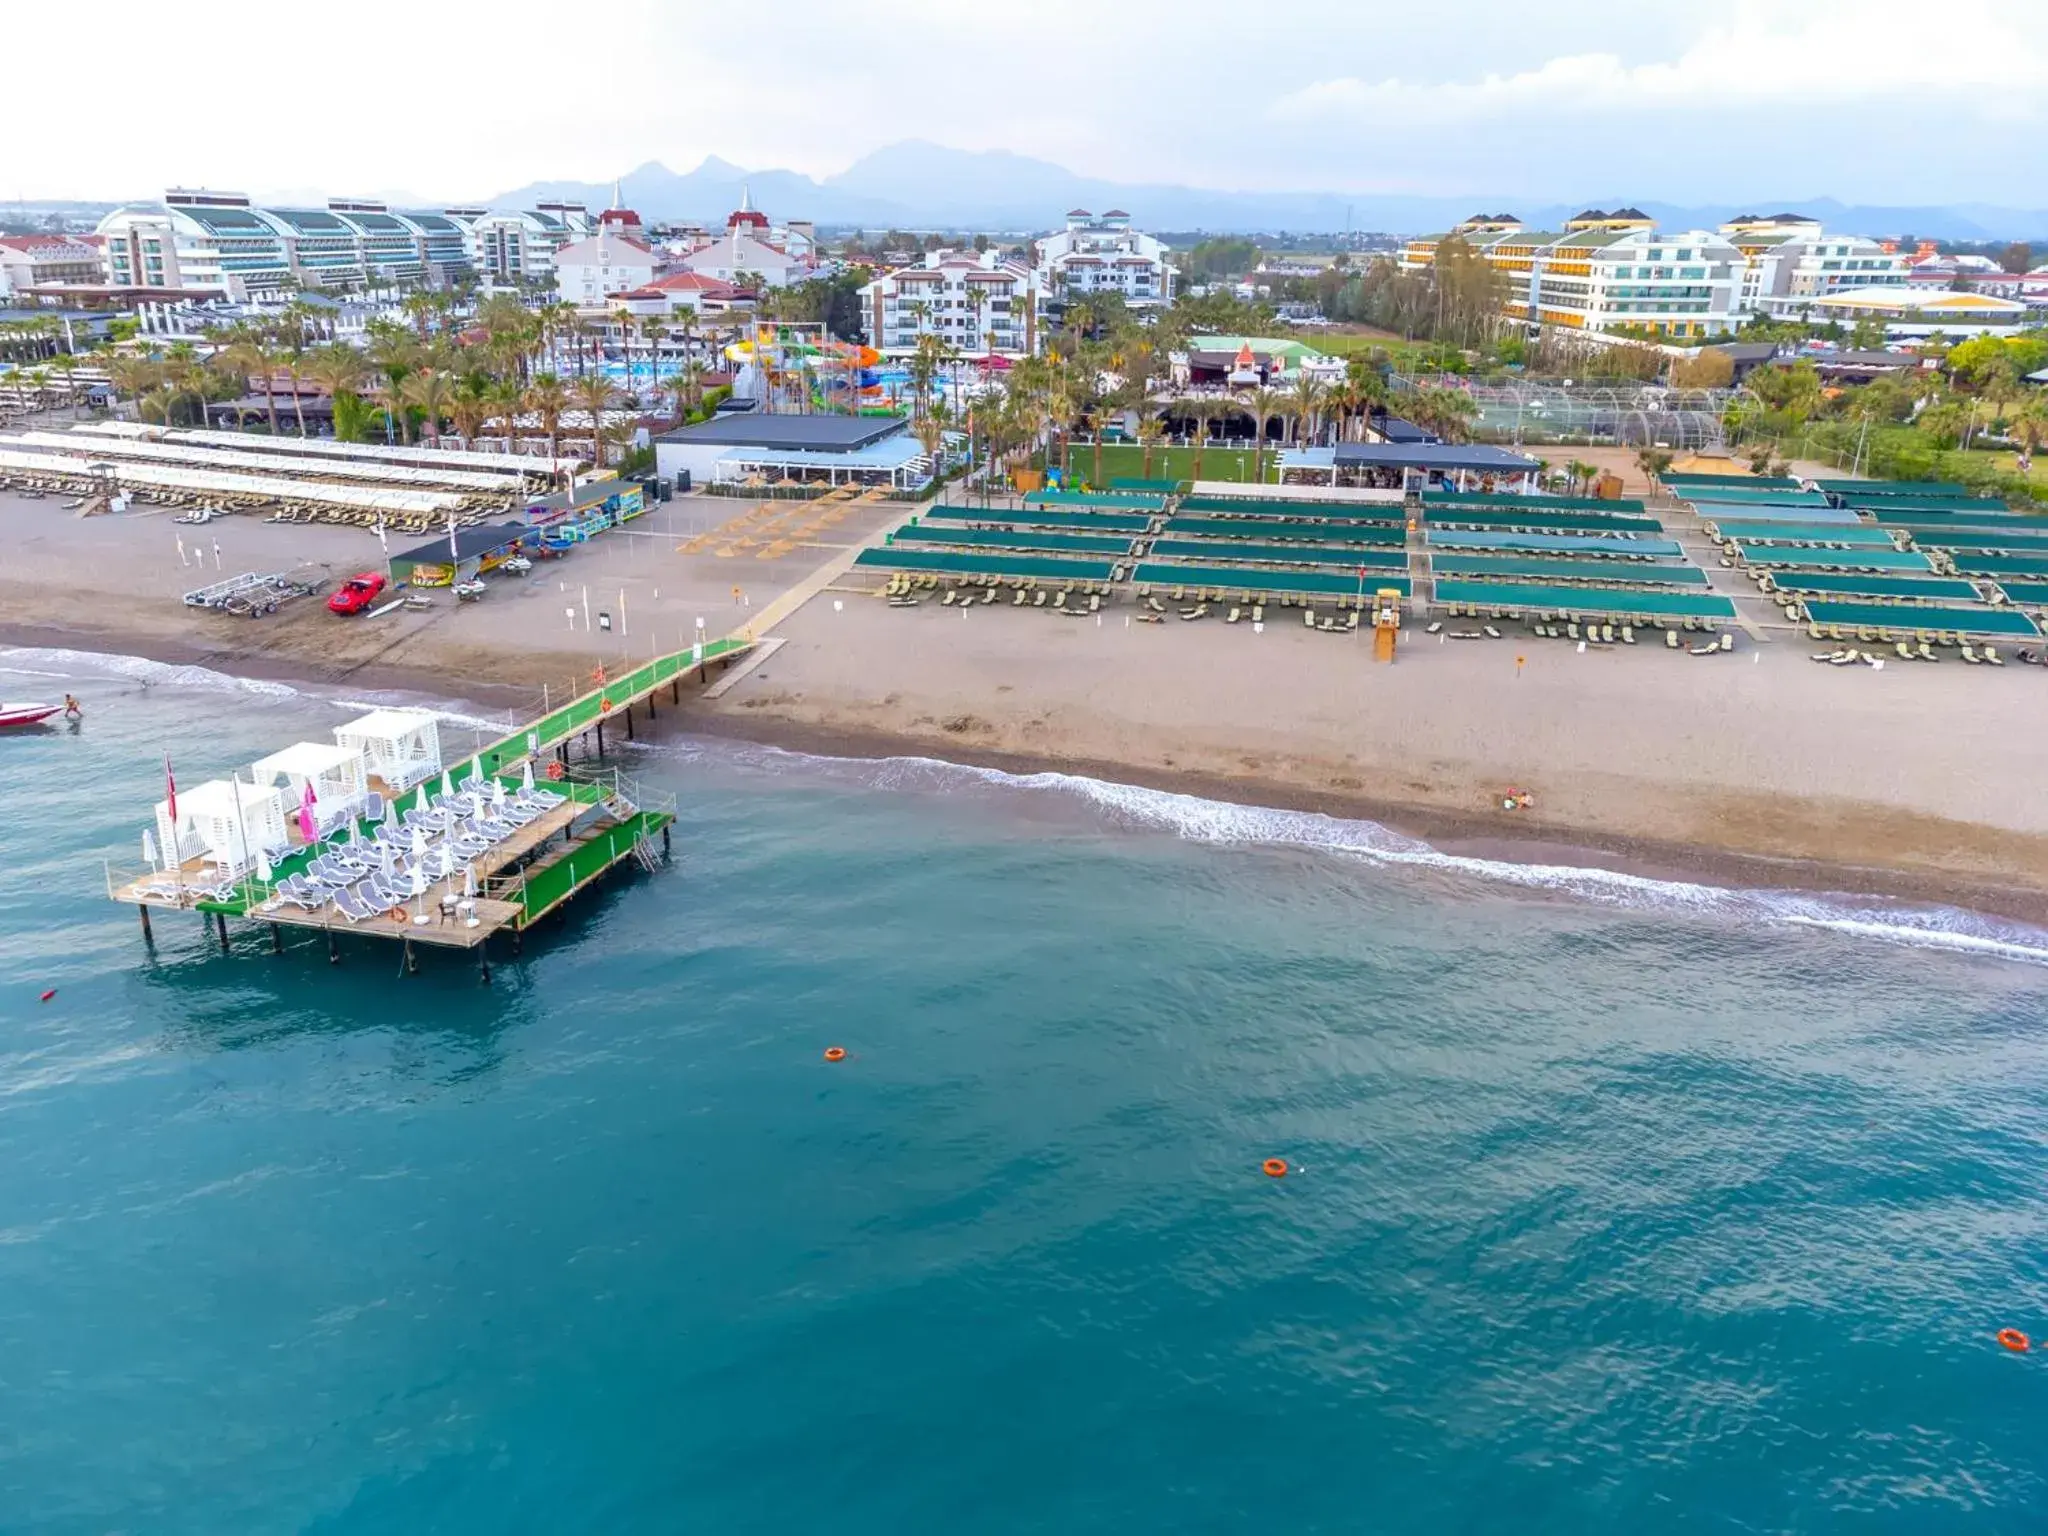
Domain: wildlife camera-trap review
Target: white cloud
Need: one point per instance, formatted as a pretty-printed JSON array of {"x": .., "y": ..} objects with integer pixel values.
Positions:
[
  {"x": 1684, "y": 99},
  {"x": 1969, "y": 58}
]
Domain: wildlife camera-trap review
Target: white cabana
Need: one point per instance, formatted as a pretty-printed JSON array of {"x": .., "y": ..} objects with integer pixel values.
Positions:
[
  {"x": 339, "y": 776},
  {"x": 401, "y": 746},
  {"x": 225, "y": 822}
]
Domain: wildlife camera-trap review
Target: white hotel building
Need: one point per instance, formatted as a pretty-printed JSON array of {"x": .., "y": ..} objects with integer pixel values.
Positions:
[
  {"x": 1101, "y": 253},
  {"x": 977, "y": 304},
  {"x": 200, "y": 244},
  {"x": 1606, "y": 272}
]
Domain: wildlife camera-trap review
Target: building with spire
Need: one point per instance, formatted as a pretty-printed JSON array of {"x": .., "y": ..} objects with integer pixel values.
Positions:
[
  {"x": 617, "y": 259},
  {"x": 750, "y": 247}
]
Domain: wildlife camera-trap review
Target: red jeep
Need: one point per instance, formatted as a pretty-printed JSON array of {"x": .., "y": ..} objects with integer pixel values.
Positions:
[{"x": 356, "y": 594}]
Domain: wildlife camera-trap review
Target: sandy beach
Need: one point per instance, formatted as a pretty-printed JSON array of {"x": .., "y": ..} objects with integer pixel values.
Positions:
[{"x": 1757, "y": 764}]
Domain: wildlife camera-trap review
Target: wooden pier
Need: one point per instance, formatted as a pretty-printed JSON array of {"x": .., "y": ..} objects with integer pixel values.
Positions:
[{"x": 602, "y": 819}]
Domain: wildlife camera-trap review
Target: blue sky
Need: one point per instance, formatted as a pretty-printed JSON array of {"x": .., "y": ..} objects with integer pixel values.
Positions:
[{"x": 1867, "y": 100}]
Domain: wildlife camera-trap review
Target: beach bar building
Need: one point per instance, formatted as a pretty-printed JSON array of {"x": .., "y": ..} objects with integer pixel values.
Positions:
[
  {"x": 224, "y": 823},
  {"x": 1418, "y": 467},
  {"x": 401, "y": 747},
  {"x": 339, "y": 777},
  {"x": 745, "y": 447},
  {"x": 458, "y": 556}
]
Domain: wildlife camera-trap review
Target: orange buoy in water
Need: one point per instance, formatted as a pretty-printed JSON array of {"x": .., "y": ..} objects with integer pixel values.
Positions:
[
  {"x": 1275, "y": 1167},
  {"x": 49, "y": 994},
  {"x": 835, "y": 1053},
  {"x": 2014, "y": 1340}
]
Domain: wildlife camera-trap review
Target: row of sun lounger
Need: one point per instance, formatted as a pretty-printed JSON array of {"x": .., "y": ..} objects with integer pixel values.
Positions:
[{"x": 353, "y": 876}]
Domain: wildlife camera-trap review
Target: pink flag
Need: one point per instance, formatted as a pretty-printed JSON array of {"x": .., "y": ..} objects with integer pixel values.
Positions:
[
  {"x": 170, "y": 789},
  {"x": 307, "y": 828}
]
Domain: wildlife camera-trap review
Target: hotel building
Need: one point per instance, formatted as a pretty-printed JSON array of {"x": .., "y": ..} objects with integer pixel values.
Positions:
[
  {"x": 977, "y": 304},
  {"x": 201, "y": 244},
  {"x": 1101, "y": 253},
  {"x": 1604, "y": 272},
  {"x": 1607, "y": 271},
  {"x": 1789, "y": 261}
]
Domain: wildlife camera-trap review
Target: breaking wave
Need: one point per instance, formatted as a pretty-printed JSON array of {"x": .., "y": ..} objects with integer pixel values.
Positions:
[{"x": 1220, "y": 822}]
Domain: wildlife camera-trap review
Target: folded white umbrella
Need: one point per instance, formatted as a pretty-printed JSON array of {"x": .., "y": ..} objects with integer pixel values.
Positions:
[
  {"x": 526, "y": 778},
  {"x": 469, "y": 881}
]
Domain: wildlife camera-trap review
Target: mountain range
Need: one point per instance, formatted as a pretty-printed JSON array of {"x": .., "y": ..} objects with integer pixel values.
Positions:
[{"x": 919, "y": 185}]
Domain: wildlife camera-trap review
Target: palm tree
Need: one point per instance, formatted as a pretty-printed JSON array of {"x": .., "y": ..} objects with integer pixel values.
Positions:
[
  {"x": 291, "y": 359},
  {"x": 1151, "y": 428},
  {"x": 1202, "y": 410},
  {"x": 428, "y": 390},
  {"x": 134, "y": 375},
  {"x": 335, "y": 367},
  {"x": 931, "y": 434},
  {"x": 507, "y": 399},
  {"x": 547, "y": 397},
  {"x": 1063, "y": 408},
  {"x": 1578, "y": 472},
  {"x": 1263, "y": 404},
  {"x": 253, "y": 357},
  {"x": 627, "y": 322},
  {"x": 1310, "y": 396},
  {"x": 594, "y": 393},
  {"x": 469, "y": 407}
]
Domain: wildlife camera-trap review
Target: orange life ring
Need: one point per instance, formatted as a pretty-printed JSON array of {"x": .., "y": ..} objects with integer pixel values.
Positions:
[
  {"x": 2014, "y": 1340},
  {"x": 396, "y": 914},
  {"x": 555, "y": 768},
  {"x": 835, "y": 1053},
  {"x": 604, "y": 706},
  {"x": 1274, "y": 1167}
]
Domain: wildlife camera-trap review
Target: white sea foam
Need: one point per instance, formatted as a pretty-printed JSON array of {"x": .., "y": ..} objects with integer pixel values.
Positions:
[
  {"x": 1222, "y": 822},
  {"x": 56, "y": 662},
  {"x": 140, "y": 669}
]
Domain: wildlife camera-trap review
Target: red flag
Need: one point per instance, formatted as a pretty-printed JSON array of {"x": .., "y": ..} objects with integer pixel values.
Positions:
[{"x": 170, "y": 789}]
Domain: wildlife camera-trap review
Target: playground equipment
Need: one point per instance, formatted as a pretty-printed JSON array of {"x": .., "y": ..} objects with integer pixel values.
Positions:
[{"x": 800, "y": 366}]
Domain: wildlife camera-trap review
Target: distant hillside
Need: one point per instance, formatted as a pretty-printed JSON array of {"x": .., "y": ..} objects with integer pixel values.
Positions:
[{"x": 918, "y": 185}]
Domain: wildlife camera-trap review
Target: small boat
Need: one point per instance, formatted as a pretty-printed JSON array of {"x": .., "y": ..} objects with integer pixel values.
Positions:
[{"x": 26, "y": 714}]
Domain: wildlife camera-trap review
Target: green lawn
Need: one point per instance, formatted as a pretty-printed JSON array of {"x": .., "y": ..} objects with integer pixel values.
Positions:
[
  {"x": 1127, "y": 460},
  {"x": 1351, "y": 344}
]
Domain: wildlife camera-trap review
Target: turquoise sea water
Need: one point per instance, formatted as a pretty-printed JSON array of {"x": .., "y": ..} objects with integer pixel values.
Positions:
[{"x": 1617, "y": 1207}]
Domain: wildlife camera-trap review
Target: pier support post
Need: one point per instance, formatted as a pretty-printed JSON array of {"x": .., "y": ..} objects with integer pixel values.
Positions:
[
  {"x": 333, "y": 954},
  {"x": 147, "y": 937},
  {"x": 629, "y": 720},
  {"x": 412, "y": 964},
  {"x": 484, "y": 954},
  {"x": 276, "y": 939},
  {"x": 220, "y": 922},
  {"x": 664, "y": 842},
  {"x": 518, "y": 940},
  {"x": 675, "y": 690},
  {"x": 600, "y": 741}
]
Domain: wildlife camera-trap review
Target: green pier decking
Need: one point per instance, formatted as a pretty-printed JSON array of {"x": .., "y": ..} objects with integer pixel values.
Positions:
[{"x": 600, "y": 820}]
